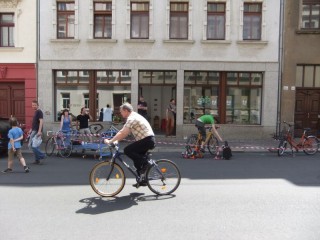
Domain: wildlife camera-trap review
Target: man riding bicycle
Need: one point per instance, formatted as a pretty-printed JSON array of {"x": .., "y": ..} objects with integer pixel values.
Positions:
[
  {"x": 200, "y": 124},
  {"x": 143, "y": 134}
]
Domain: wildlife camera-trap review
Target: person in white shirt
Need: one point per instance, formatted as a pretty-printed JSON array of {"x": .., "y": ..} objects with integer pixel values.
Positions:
[{"x": 107, "y": 114}]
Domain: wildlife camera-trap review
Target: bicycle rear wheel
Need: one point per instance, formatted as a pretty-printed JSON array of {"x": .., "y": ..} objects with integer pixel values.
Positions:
[
  {"x": 310, "y": 145},
  {"x": 282, "y": 147},
  {"x": 212, "y": 145},
  {"x": 107, "y": 179},
  {"x": 163, "y": 177},
  {"x": 50, "y": 146}
]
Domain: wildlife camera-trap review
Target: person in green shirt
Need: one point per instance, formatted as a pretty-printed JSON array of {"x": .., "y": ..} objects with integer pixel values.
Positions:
[{"x": 200, "y": 124}]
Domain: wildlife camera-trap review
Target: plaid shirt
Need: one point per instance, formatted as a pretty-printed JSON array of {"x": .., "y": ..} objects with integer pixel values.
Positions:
[{"x": 139, "y": 126}]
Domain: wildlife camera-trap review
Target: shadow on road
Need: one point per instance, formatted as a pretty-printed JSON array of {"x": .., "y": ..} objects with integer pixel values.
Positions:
[{"x": 98, "y": 205}]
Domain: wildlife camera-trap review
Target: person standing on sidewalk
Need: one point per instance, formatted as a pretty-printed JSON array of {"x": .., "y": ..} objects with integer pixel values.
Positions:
[
  {"x": 36, "y": 130},
  {"x": 171, "y": 118},
  {"x": 83, "y": 123},
  {"x": 143, "y": 107},
  {"x": 15, "y": 135}
]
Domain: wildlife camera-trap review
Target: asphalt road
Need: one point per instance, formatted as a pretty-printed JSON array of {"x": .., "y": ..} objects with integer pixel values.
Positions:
[{"x": 253, "y": 196}]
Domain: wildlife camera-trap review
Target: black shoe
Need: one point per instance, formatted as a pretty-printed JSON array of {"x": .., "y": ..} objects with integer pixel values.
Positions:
[
  {"x": 37, "y": 162},
  {"x": 8, "y": 170},
  {"x": 143, "y": 183},
  {"x": 26, "y": 169}
]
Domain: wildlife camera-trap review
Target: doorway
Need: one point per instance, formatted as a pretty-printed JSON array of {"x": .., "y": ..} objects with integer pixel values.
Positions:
[
  {"x": 12, "y": 101},
  {"x": 307, "y": 111}
]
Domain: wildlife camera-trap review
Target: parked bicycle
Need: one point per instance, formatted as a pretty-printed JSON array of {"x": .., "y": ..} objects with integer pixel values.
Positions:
[
  {"x": 107, "y": 178},
  {"x": 58, "y": 143},
  {"x": 308, "y": 143},
  {"x": 211, "y": 141}
]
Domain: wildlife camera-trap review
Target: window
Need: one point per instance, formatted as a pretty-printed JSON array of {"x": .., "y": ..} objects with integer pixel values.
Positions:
[
  {"x": 65, "y": 20},
  {"x": 178, "y": 21},
  {"x": 139, "y": 20},
  {"x": 102, "y": 20},
  {"x": 65, "y": 97},
  {"x": 233, "y": 98},
  {"x": 6, "y": 29},
  {"x": 216, "y": 21},
  {"x": 201, "y": 95},
  {"x": 252, "y": 21},
  {"x": 308, "y": 76},
  {"x": 311, "y": 14},
  {"x": 157, "y": 77},
  {"x": 74, "y": 89}
]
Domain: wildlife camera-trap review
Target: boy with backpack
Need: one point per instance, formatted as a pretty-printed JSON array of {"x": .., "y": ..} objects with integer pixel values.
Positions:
[{"x": 15, "y": 135}]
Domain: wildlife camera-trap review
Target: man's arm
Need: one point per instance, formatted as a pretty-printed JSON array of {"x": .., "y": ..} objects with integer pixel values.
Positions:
[
  {"x": 119, "y": 136},
  {"x": 40, "y": 127},
  {"x": 215, "y": 132}
]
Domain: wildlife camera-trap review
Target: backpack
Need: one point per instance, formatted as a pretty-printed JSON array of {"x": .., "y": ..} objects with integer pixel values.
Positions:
[{"x": 226, "y": 151}]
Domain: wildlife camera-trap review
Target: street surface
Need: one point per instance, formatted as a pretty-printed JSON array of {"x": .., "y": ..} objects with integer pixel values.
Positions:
[{"x": 254, "y": 196}]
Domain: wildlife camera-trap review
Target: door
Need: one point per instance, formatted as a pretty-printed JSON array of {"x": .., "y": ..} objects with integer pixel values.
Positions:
[
  {"x": 12, "y": 101},
  {"x": 307, "y": 110}
]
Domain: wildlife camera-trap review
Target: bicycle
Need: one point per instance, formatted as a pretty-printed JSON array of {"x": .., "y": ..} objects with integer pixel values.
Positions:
[
  {"x": 107, "y": 178},
  {"x": 211, "y": 141},
  {"x": 58, "y": 143},
  {"x": 308, "y": 143}
]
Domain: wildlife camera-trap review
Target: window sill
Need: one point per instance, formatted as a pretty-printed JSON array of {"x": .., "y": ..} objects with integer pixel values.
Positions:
[
  {"x": 102, "y": 40},
  {"x": 215, "y": 42},
  {"x": 11, "y": 49},
  {"x": 139, "y": 40},
  {"x": 253, "y": 42},
  {"x": 65, "y": 40},
  {"x": 179, "y": 41},
  {"x": 309, "y": 31}
]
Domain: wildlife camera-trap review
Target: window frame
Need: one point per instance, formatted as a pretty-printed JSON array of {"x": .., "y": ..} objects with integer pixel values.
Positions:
[
  {"x": 8, "y": 26},
  {"x": 180, "y": 15},
  {"x": 104, "y": 14},
  {"x": 217, "y": 14},
  {"x": 311, "y": 3},
  {"x": 140, "y": 14},
  {"x": 65, "y": 13},
  {"x": 252, "y": 14}
]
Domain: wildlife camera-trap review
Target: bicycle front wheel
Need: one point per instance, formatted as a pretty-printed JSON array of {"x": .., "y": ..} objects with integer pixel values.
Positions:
[
  {"x": 65, "y": 151},
  {"x": 107, "y": 179},
  {"x": 163, "y": 177},
  {"x": 310, "y": 145},
  {"x": 50, "y": 146},
  {"x": 282, "y": 147},
  {"x": 192, "y": 140},
  {"x": 212, "y": 145}
]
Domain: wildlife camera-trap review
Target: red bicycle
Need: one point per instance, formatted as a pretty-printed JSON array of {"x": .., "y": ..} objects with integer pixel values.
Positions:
[{"x": 309, "y": 144}]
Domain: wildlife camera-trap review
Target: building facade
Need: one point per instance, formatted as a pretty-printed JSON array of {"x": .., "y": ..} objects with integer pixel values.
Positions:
[
  {"x": 218, "y": 57},
  {"x": 300, "y": 92},
  {"x": 18, "y": 45}
]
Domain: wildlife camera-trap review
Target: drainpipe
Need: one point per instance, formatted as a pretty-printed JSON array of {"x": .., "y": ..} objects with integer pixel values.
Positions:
[
  {"x": 38, "y": 44},
  {"x": 280, "y": 65}
]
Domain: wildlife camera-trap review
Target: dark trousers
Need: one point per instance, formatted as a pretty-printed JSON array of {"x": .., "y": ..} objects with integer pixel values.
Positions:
[{"x": 137, "y": 151}]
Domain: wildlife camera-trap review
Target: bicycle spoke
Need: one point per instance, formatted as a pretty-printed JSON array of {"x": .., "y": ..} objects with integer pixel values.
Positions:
[
  {"x": 100, "y": 184},
  {"x": 163, "y": 177}
]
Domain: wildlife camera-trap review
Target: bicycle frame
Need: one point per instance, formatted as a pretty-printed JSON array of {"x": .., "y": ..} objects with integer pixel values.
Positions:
[{"x": 293, "y": 143}]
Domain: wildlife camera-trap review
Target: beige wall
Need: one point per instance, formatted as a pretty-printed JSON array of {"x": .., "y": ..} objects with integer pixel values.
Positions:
[{"x": 299, "y": 48}]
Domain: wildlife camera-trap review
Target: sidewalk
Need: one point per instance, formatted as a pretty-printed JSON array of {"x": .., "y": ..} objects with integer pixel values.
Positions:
[{"x": 172, "y": 144}]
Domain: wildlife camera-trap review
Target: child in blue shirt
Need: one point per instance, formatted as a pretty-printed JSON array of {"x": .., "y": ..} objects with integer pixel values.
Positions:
[{"x": 15, "y": 135}]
